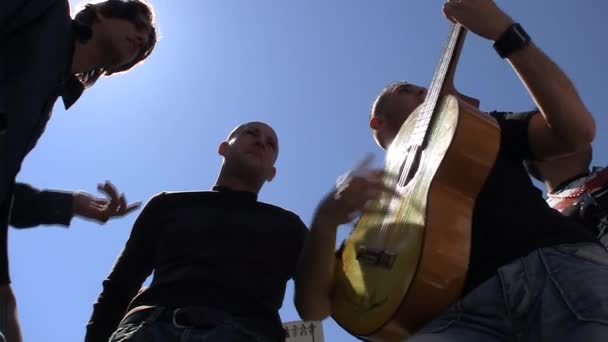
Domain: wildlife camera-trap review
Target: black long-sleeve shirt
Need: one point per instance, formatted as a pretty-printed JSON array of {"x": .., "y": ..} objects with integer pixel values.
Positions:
[
  {"x": 221, "y": 249},
  {"x": 32, "y": 207}
]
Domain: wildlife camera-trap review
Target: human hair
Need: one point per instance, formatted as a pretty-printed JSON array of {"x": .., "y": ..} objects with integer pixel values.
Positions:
[{"x": 139, "y": 12}]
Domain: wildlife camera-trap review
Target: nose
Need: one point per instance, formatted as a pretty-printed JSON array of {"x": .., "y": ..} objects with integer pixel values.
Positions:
[
  {"x": 141, "y": 39},
  {"x": 259, "y": 143}
]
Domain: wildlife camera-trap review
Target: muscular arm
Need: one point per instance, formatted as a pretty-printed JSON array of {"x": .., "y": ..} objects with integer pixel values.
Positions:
[
  {"x": 314, "y": 278},
  {"x": 564, "y": 126},
  {"x": 316, "y": 269}
]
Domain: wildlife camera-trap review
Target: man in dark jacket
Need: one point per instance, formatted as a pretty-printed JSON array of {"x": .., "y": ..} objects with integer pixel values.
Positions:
[{"x": 46, "y": 54}]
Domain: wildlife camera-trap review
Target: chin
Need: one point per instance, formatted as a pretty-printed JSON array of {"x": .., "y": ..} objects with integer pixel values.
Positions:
[
  {"x": 251, "y": 166},
  {"x": 379, "y": 141}
]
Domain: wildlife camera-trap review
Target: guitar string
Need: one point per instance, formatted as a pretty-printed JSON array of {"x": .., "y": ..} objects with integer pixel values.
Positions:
[{"x": 424, "y": 120}]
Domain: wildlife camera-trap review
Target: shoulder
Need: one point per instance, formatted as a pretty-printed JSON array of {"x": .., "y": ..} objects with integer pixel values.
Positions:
[
  {"x": 171, "y": 197},
  {"x": 514, "y": 133},
  {"x": 278, "y": 210},
  {"x": 288, "y": 215},
  {"x": 20, "y": 13}
]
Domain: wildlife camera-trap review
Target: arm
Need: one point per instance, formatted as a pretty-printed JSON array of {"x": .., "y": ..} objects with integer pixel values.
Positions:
[
  {"x": 9, "y": 322},
  {"x": 133, "y": 266},
  {"x": 315, "y": 271},
  {"x": 564, "y": 125},
  {"x": 314, "y": 278},
  {"x": 32, "y": 207}
]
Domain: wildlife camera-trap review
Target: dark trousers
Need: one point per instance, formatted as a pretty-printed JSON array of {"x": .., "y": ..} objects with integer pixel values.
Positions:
[
  {"x": 160, "y": 325},
  {"x": 557, "y": 294}
]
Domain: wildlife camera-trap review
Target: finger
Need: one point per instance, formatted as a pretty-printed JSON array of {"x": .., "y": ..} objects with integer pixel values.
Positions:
[
  {"x": 122, "y": 204},
  {"x": 377, "y": 173},
  {"x": 375, "y": 191},
  {"x": 375, "y": 211},
  {"x": 363, "y": 167},
  {"x": 110, "y": 190},
  {"x": 448, "y": 11},
  {"x": 117, "y": 208},
  {"x": 132, "y": 207},
  {"x": 373, "y": 180},
  {"x": 375, "y": 176}
]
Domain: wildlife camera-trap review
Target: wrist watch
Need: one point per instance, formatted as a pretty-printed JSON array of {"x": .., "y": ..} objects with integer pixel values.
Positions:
[{"x": 513, "y": 39}]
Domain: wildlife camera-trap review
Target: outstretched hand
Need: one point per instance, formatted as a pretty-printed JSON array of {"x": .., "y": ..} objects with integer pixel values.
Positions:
[{"x": 102, "y": 209}]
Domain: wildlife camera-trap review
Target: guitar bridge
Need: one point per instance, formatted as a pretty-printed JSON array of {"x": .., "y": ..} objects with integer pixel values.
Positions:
[{"x": 376, "y": 257}]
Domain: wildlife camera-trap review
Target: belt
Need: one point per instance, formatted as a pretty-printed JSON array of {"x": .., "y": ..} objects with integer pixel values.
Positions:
[{"x": 185, "y": 317}]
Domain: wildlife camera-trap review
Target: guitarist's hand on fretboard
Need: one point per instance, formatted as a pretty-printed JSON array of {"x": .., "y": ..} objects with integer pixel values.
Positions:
[{"x": 481, "y": 17}]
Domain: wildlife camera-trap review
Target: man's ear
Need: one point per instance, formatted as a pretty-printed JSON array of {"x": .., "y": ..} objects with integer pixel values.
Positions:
[
  {"x": 375, "y": 123},
  {"x": 271, "y": 173},
  {"x": 223, "y": 148}
]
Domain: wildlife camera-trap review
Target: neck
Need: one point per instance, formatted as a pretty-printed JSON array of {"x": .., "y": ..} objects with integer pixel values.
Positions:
[
  {"x": 238, "y": 183},
  {"x": 85, "y": 59}
]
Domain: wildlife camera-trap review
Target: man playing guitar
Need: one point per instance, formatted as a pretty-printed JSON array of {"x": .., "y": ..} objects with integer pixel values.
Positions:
[{"x": 533, "y": 274}]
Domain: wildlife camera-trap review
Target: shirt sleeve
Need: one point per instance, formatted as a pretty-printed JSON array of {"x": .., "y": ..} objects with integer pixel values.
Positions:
[
  {"x": 514, "y": 138},
  {"x": 32, "y": 207},
  {"x": 131, "y": 269}
]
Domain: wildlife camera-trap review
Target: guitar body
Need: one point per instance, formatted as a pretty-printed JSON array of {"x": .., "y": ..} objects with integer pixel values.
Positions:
[{"x": 401, "y": 269}]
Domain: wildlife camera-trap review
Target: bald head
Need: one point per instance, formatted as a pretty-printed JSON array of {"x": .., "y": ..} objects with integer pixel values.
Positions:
[
  {"x": 257, "y": 126},
  {"x": 249, "y": 154},
  {"x": 391, "y": 108},
  {"x": 381, "y": 107}
]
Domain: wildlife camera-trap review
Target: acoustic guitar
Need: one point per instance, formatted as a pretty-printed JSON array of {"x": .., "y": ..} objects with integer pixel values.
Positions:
[{"x": 400, "y": 269}]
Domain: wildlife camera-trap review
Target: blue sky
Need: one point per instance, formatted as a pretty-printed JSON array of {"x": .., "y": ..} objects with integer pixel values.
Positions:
[{"x": 309, "y": 68}]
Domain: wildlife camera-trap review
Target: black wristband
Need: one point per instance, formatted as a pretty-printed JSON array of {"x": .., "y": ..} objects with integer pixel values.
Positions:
[{"x": 513, "y": 39}]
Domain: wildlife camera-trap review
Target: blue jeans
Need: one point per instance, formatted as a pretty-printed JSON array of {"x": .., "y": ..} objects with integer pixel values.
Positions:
[
  {"x": 164, "y": 331},
  {"x": 557, "y": 294}
]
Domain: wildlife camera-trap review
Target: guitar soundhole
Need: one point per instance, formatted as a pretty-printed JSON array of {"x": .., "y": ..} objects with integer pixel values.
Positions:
[
  {"x": 376, "y": 257},
  {"x": 412, "y": 162}
]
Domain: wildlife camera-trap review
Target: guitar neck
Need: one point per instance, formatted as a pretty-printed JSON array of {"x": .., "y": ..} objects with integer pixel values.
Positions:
[{"x": 442, "y": 81}]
